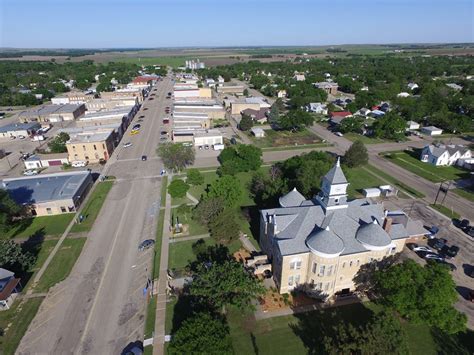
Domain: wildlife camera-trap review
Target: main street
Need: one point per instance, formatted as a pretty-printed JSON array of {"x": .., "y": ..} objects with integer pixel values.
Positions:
[
  {"x": 100, "y": 307},
  {"x": 430, "y": 189}
]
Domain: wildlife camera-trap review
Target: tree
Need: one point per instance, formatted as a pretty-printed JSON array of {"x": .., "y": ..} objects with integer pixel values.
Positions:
[
  {"x": 421, "y": 294},
  {"x": 238, "y": 287},
  {"x": 274, "y": 116},
  {"x": 201, "y": 334},
  {"x": 207, "y": 209},
  {"x": 11, "y": 254},
  {"x": 239, "y": 159},
  {"x": 381, "y": 335},
  {"x": 58, "y": 143},
  {"x": 224, "y": 227},
  {"x": 9, "y": 209},
  {"x": 228, "y": 188},
  {"x": 296, "y": 120},
  {"x": 246, "y": 92},
  {"x": 176, "y": 156},
  {"x": 351, "y": 124},
  {"x": 178, "y": 188},
  {"x": 390, "y": 126},
  {"x": 194, "y": 177},
  {"x": 356, "y": 155},
  {"x": 246, "y": 122}
]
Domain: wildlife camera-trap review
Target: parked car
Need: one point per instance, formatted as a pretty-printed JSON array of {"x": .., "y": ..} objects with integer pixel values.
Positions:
[
  {"x": 438, "y": 244},
  {"x": 163, "y": 132},
  {"x": 78, "y": 164},
  {"x": 146, "y": 244},
  {"x": 470, "y": 296},
  {"x": 144, "y": 157},
  {"x": 137, "y": 126},
  {"x": 339, "y": 134},
  {"x": 431, "y": 256},
  {"x": 128, "y": 144},
  {"x": 418, "y": 248},
  {"x": 432, "y": 232},
  {"x": 30, "y": 172},
  {"x": 451, "y": 251},
  {"x": 21, "y": 137},
  {"x": 469, "y": 231}
]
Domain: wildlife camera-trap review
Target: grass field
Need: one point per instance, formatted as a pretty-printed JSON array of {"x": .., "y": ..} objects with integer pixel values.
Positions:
[
  {"x": 42, "y": 251},
  {"x": 62, "y": 263},
  {"x": 93, "y": 206},
  {"x": 466, "y": 193},
  {"x": 448, "y": 212},
  {"x": 303, "y": 333},
  {"x": 195, "y": 228},
  {"x": 395, "y": 182},
  {"x": 359, "y": 179},
  {"x": 172, "y": 61},
  {"x": 42, "y": 226},
  {"x": 181, "y": 253},
  {"x": 285, "y": 138},
  {"x": 15, "y": 322},
  {"x": 428, "y": 171}
]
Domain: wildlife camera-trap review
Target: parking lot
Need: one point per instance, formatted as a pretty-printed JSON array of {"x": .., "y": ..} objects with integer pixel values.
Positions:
[{"x": 463, "y": 261}]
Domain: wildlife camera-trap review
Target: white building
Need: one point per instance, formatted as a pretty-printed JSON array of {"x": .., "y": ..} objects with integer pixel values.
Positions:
[
  {"x": 258, "y": 132},
  {"x": 194, "y": 64},
  {"x": 443, "y": 155},
  {"x": 412, "y": 125},
  {"x": 317, "y": 107},
  {"x": 38, "y": 161},
  {"x": 412, "y": 86},
  {"x": 403, "y": 94},
  {"x": 299, "y": 77},
  {"x": 431, "y": 131},
  {"x": 207, "y": 137}
]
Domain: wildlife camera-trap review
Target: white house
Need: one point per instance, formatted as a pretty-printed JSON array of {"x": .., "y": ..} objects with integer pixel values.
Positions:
[
  {"x": 363, "y": 112},
  {"x": 412, "y": 86},
  {"x": 454, "y": 86},
  {"x": 442, "y": 155},
  {"x": 431, "y": 131},
  {"x": 412, "y": 125},
  {"x": 317, "y": 107},
  {"x": 403, "y": 94},
  {"x": 9, "y": 288},
  {"x": 281, "y": 94},
  {"x": 299, "y": 77}
]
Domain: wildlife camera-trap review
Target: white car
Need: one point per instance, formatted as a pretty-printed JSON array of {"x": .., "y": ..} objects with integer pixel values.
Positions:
[
  {"x": 78, "y": 164},
  {"x": 423, "y": 248},
  {"x": 30, "y": 173},
  {"x": 21, "y": 137},
  {"x": 339, "y": 134},
  {"x": 128, "y": 144}
]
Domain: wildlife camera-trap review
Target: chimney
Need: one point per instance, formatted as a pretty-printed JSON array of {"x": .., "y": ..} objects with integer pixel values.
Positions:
[{"x": 387, "y": 224}]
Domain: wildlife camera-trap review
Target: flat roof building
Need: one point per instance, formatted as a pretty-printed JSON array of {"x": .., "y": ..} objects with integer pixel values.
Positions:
[
  {"x": 19, "y": 129},
  {"x": 51, "y": 193},
  {"x": 92, "y": 146},
  {"x": 253, "y": 103},
  {"x": 53, "y": 113}
]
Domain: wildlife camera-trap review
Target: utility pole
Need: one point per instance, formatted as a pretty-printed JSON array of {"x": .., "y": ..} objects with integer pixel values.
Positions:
[{"x": 444, "y": 189}]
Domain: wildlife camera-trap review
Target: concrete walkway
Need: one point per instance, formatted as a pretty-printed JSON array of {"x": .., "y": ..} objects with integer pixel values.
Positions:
[
  {"x": 159, "y": 336},
  {"x": 247, "y": 243},
  {"x": 192, "y": 198}
]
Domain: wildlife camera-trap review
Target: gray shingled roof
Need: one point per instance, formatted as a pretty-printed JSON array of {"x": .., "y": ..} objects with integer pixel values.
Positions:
[
  {"x": 292, "y": 199},
  {"x": 336, "y": 175},
  {"x": 373, "y": 234},
  {"x": 325, "y": 241}
]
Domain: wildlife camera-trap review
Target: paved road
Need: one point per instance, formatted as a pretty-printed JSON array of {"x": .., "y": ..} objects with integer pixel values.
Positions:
[
  {"x": 430, "y": 189},
  {"x": 100, "y": 307}
]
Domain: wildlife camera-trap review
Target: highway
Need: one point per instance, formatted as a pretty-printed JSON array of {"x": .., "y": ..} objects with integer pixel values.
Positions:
[{"x": 100, "y": 307}]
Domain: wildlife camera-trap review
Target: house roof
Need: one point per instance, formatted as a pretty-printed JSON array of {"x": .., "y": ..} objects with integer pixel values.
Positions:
[
  {"x": 8, "y": 288},
  {"x": 43, "y": 188},
  {"x": 336, "y": 175},
  {"x": 341, "y": 114},
  {"x": 291, "y": 199},
  {"x": 256, "y": 114},
  {"x": 19, "y": 127},
  {"x": 325, "y": 241},
  {"x": 372, "y": 234},
  {"x": 4, "y": 273},
  {"x": 431, "y": 128}
]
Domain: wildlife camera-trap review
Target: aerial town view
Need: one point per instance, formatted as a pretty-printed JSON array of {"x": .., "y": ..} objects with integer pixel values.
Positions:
[{"x": 237, "y": 177}]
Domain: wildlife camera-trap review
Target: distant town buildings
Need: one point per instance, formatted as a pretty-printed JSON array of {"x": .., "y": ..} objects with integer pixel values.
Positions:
[{"x": 194, "y": 64}]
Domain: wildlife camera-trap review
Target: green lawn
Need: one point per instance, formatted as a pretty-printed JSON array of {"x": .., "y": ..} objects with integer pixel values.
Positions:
[
  {"x": 366, "y": 140},
  {"x": 181, "y": 253},
  {"x": 93, "y": 206},
  {"x": 172, "y": 61},
  {"x": 359, "y": 179},
  {"x": 43, "y": 225},
  {"x": 150, "y": 318},
  {"x": 433, "y": 173},
  {"x": 195, "y": 228},
  {"x": 285, "y": 139},
  {"x": 303, "y": 333},
  {"x": 466, "y": 193},
  {"x": 395, "y": 182},
  {"x": 42, "y": 251},
  {"x": 62, "y": 263},
  {"x": 17, "y": 319},
  {"x": 447, "y": 211}
]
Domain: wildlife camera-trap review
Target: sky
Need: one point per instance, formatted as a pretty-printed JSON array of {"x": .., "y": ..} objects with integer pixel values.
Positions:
[{"x": 217, "y": 23}]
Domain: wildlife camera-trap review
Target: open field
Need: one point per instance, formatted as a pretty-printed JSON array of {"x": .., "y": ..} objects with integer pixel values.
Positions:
[
  {"x": 181, "y": 253},
  {"x": 285, "y": 139},
  {"x": 410, "y": 162},
  {"x": 93, "y": 206},
  {"x": 448, "y": 212},
  {"x": 40, "y": 226},
  {"x": 15, "y": 322},
  {"x": 366, "y": 140}
]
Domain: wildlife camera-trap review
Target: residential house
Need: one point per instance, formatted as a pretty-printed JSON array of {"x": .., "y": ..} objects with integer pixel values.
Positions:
[
  {"x": 260, "y": 116},
  {"x": 322, "y": 243},
  {"x": 299, "y": 77},
  {"x": 454, "y": 86},
  {"x": 328, "y": 86},
  {"x": 412, "y": 125},
  {"x": 50, "y": 194},
  {"x": 403, "y": 94},
  {"x": 9, "y": 288},
  {"x": 317, "y": 107},
  {"x": 336, "y": 117},
  {"x": 281, "y": 94},
  {"x": 443, "y": 155},
  {"x": 412, "y": 86},
  {"x": 363, "y": 112},
  {"x": 376, "y": 113}
]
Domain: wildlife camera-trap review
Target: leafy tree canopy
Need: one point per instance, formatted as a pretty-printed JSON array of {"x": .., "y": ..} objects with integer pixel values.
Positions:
[
  {"x": 356, "y": 155},
  {"x": 178, "y": 188},
  {"x": 194, "y": 177},
  {"x": 176, "y": 156},
  {"x": 227, "y": 188}
]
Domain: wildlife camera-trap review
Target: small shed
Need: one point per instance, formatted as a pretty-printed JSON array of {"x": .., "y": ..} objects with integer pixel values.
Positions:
[
  {"x": 258, "y": 132},
  {"x": 431, "y": 131},
  {"x": 371, "y": 192}
]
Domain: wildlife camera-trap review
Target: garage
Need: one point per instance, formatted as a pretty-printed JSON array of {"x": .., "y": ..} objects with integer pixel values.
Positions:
[{"x": 54, "y": 162}]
